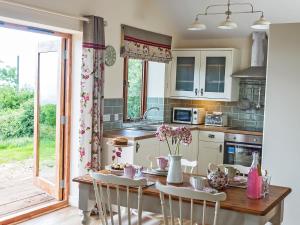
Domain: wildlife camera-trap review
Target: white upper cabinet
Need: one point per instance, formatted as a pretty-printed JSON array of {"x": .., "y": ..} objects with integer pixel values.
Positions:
[
  {"x": 185, "y": 72},
  {"x": 204, "y": 74}
]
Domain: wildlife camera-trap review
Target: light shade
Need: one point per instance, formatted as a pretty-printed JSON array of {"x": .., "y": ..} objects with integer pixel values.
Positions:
[
  {"x": 261, "y": 24},
  {"x": 196, "y": 25},
  {"x": 228, "y": 24}
]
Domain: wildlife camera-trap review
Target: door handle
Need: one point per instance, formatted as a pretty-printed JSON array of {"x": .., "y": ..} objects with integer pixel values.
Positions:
[
  {"x": 137, "y": 147},
  {"x": 201, "y": 91},
  {"x": 220, "y": 148},
  {"x": 196, "y": 91},
  {"x": 211, "y": 136}
]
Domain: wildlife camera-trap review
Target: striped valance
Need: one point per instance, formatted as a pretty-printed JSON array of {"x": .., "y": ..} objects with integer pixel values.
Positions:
[{"x": 141, "y": 44}]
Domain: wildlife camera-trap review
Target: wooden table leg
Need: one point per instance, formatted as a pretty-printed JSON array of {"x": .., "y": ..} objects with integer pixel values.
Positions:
[
  {"x": 278, "y": 217},
  {"x": 84, "y": 203}
]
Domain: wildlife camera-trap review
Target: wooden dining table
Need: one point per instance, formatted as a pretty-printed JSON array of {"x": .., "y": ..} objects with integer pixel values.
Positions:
[{"x": 237, "y": 209}]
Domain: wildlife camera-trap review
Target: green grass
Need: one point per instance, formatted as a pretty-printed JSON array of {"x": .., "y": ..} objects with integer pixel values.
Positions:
[{"x": 19, "y": 149}]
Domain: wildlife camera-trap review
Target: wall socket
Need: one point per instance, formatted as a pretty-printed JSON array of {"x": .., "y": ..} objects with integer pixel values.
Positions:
[
  {"x": 116, "y": 117},
  {"x": 106, "y": 117}
]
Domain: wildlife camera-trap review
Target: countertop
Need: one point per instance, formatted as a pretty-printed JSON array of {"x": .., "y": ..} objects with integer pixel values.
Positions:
[{"x": 141, "y": 134}]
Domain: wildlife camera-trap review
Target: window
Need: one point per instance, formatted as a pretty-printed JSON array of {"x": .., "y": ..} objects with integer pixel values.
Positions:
[{"x": 135, "y": 88}]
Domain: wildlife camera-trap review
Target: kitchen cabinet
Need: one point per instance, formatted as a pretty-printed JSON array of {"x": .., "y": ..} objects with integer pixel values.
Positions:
[
  {"x": 136, "y": 154},
  {"x": 143, "y": 149},
  {"x": 185, "y": 73},
  {"x": 204, "y": 74},
  {"x": 211, "y": 149}
]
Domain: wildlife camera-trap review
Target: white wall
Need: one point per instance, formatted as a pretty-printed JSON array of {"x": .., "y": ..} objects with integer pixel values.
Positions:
[
  {"x": 139, "y": 13},
  {"x": 281, "y": 152}
]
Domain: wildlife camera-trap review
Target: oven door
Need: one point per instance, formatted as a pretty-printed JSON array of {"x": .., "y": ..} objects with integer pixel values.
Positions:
[
  {"x": 240, "y": 153},
  {"x": 182, "y": 115}
]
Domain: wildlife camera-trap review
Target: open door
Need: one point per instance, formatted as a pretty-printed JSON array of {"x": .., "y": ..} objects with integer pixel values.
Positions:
[{"x": 49, "y": 117}]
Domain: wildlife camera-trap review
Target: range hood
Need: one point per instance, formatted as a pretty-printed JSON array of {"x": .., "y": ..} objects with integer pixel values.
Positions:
[{"x": 258, "y": 58}]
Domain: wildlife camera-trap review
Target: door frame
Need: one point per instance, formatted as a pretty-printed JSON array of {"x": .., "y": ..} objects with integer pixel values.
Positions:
[{"x": 34, "y": 212}]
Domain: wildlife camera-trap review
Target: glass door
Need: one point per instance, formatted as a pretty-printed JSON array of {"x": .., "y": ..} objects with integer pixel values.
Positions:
[
  {"x": 185, "y": 73},
  {"x": 49, "y": 120},
  {"x": 215, "y": 74}
]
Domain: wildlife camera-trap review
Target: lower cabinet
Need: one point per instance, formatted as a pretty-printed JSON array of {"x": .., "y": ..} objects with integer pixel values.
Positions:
[
  {"x": 206, "y": 147},
  {"x": 211, "y": 148},
  {"x": 143, "y": 149}
]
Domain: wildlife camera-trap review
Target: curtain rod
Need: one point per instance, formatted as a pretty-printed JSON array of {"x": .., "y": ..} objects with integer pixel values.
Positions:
[{"x": 81, "y": 18}]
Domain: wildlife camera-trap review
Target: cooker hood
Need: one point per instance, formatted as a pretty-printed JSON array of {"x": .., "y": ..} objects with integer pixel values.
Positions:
[{"x": 258, "y": 58}]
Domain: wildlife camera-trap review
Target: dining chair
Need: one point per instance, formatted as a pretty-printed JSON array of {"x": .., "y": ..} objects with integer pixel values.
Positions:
[
  {"x": 107, "y": 215},
  {"x": 192, "y": 195},
  {"x": 189, "y": 166}
]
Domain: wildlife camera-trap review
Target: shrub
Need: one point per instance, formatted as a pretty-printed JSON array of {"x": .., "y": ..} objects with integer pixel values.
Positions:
[
  {"x": 48, "y": 114},
  {"x": 19, "y": 122},
  {"x": 11, "y": 98}
]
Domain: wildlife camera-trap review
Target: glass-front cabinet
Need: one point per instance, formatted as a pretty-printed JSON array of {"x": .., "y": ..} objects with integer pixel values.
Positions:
[
  {"x": 185, "y": 71},
  {"x": 216, "y": 74},
  {"x": 204, "y": 74}
]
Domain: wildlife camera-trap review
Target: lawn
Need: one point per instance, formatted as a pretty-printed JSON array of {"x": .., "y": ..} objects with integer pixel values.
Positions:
[{"x": 18, "y": 149}]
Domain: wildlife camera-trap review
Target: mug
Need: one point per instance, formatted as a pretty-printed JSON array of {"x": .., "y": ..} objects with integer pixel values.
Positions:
[
  {"x": 198, "y": 182},
  {"x": 231, "y": 172},
  {"x": 129, "y": 171},
  {"x": 162, "y": 162}
]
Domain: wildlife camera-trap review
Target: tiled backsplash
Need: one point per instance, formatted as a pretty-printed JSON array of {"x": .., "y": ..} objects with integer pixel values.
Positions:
[
  {"x": 236, "y": 117},
  {"x": 113, "y": 113}
]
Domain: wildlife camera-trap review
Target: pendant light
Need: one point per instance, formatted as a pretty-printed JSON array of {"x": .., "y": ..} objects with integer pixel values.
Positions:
[
  {"x": 228, "y": 24},
  {"x": 197, "y": 25},
  {"x": 261, "y": 23}
]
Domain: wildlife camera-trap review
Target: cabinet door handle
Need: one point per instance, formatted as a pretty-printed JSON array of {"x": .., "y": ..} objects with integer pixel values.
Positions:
[
  {"x": 196, "y": 91},
  {"x": 137, "y": 147},
  {"x": 201, "y": 91},
  {"x": 220, "y": 148},
  {"x": 211, "y": 136}
]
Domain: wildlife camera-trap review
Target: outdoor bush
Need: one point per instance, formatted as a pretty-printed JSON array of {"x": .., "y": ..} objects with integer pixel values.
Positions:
[
  {"x": 48, "y": 114},
  {"x": 11, "y": 98},
  {"x": 26, "y": 119},
  {"x": 18, "y": 122}
]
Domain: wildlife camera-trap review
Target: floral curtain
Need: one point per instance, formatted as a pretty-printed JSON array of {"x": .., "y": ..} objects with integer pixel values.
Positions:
[
  {"x": 141, "y": 44},
  {"x": 91, "y": 95}
]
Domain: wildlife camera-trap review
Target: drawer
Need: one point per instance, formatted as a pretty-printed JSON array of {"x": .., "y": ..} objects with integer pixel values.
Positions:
[{"x": 211, "y": 136}]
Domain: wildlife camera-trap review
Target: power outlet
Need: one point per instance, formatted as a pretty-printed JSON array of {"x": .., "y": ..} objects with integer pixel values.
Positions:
[
  {"x": 116, "y": 117},
  {"x": 106, "y": 117}
]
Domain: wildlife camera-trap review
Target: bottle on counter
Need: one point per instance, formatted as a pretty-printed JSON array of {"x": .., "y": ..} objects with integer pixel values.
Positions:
[{"x": 254, "y": 185}]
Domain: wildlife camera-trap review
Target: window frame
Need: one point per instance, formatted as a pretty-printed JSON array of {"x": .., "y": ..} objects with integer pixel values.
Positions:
[{"x": 143, "y": 90}]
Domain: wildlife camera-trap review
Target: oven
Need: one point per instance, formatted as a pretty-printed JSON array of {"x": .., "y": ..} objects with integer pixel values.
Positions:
[{"x": 239, "y": 148}]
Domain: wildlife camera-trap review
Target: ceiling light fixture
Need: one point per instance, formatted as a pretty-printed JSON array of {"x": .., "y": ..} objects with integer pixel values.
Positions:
[
  {"x": 261, "y": 23},
  {"x": 196, "y": 25}
]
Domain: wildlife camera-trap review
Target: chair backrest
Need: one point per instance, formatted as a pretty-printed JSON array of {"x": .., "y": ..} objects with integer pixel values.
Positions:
[
  {"x": 187, "y": 193},
  {"x": 188, "y": 166},
  {"x": 107, "y": 180}
]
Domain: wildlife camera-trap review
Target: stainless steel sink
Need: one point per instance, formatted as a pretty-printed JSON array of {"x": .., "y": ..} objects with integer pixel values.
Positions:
[{"x": 145, "y": 127}]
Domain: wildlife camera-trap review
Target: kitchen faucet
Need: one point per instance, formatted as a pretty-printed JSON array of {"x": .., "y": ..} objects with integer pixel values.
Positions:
[{"x": 147, "y": 111}]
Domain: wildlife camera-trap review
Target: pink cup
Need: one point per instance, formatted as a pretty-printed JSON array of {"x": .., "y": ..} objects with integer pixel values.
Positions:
[
  {"x": 162, "y": 162},
  {"x": 129, "y": 171}
]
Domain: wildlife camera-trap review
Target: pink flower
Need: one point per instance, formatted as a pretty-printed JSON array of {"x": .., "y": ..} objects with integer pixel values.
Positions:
[
  {"x": 163, "y": 132},
  {"x": 81, "y": 152}
]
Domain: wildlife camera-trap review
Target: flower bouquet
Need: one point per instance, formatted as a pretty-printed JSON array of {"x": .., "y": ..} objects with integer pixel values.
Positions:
[{"x": 174, "y": 136}]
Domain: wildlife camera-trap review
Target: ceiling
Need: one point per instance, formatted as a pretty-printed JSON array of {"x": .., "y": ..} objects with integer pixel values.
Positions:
[{"x": 182, "y": 13}]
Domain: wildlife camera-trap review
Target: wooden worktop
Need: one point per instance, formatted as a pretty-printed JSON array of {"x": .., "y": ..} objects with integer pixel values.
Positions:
[
  {"x": 141, "y": 134},
  {"x": 236, "y": 197}
]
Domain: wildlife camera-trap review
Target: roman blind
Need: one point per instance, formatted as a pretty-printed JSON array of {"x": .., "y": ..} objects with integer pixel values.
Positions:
[{"x": 141, "y": 44}]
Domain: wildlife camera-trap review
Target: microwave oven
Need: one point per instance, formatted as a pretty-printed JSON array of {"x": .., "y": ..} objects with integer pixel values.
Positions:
[{"x": 188, "y": 115}]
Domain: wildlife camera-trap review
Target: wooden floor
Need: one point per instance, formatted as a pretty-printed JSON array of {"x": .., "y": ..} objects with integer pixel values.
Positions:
[
  {"x": 66, "y": 216},
  {"x": 21, "y": 194}
]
